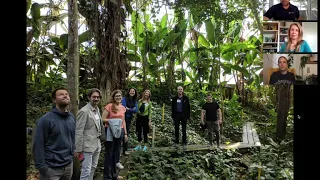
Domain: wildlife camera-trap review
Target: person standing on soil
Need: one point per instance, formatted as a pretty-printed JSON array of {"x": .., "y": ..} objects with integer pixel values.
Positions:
[
  {"x": 89, "y": 132},
  {"x": 210, "y": 109},
  {"x": 143, "y": 123},
  {"x": 131, "y": 105},
  {"x": 54, "y": 143},
  {"x": 112, "y": 112},
  {"x": 180, "y": 114}
]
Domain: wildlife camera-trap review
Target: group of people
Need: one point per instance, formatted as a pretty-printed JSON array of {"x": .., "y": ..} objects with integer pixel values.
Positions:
[{"x": 60, "y": 136}]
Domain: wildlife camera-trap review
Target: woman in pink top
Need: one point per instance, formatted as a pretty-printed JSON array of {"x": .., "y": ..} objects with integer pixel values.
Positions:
[{"x": 112, "y": 148}]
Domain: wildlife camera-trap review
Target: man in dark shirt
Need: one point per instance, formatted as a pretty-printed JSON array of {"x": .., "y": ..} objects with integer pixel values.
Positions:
[
  {"x": 282, "y": 76},
  {"x": 180, "y": 113},
  {"x": 210, "y": 109},
  {"x": 282, "y": 11},
  {"x": 54, "y": 143}
]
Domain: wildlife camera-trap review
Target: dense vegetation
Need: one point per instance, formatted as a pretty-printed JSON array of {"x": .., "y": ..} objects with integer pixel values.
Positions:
[{"x": 196, "y": 44}]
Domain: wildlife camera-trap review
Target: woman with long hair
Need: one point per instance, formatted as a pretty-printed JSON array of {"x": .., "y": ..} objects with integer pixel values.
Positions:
[
  {"x": 143, "y": 122},
  {"x": 131, "y": 104},
  {"x": 295, "y": 42},
  {"x": 112, "y": 114}
]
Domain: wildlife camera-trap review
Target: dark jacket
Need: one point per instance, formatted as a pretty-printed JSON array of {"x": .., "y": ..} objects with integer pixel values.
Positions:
[
  {"x": 54, "y": 140},
  {"x": 185, "y": 107},
  {"x": 132, "y": 105}
]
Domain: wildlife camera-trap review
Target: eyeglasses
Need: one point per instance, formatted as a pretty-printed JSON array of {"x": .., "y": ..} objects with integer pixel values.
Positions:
[
  {"x": 117, "y": 96},
  {"x": 96, "y": 97}
]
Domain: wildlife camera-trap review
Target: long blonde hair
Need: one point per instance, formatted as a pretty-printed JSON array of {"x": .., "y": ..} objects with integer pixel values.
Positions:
[
  {"x": 299, "y": 41},
  {"x": 115, "y": 108},
  {"x": 144, "y": 92}
]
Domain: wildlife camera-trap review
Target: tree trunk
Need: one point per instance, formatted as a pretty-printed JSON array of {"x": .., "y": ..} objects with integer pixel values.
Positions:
[
  {"x": 105, "y": 23},
  {"x": 283, "y": 104},
  {"x": 106, "y": 91},
  {"x": 73, "y": 56},
  {"x": 73, "y": 68}
]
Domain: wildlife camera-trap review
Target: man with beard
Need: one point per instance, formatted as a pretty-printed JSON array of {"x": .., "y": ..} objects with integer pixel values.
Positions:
[
  {"x": 180, "y": 114},
  {"x": 282, "y": 11},
  {"x": 89, "y": 132},
  {"x": 282, "y": 76},
  {"x": 54, "y": 140}
]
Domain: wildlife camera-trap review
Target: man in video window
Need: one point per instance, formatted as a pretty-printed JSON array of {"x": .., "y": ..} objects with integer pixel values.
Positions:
[
  {"x": 282, "y": 76},
  {"x": 282, "y": 11}
]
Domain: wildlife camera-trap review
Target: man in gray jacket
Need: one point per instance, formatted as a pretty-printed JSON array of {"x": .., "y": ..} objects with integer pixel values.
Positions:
[{"x": 89, "y": 132}]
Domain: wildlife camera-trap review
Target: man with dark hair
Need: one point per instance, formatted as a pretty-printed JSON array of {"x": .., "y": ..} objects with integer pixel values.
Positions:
[
  {"x": 53, "y": 146},
  {"x": 210, "y": 109},
  {"x": 282, "y": 11},
  {"x": 89, "y": 132},
  {"x": 282, "y": 76},
  {"x": 180, "y": 113}
]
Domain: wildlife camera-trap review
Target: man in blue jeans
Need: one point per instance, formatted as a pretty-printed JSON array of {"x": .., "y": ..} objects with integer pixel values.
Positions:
[
  {"x": 53, "y": 146},
  {"x": 89, "y": 132}
]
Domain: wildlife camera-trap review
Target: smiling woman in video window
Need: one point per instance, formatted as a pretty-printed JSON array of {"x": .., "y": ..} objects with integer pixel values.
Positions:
[{"x": 295, "y": 42}]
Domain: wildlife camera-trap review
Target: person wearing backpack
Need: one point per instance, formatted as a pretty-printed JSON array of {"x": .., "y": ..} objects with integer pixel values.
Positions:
[
  {"x": 143, "y": 122},
  {"x": 54, "y": 140}
]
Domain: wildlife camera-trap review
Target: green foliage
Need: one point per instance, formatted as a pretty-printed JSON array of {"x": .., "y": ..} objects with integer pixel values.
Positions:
[{"x": 276, "y": 161}]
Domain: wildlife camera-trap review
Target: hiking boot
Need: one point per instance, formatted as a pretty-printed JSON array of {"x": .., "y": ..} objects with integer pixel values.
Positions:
[
  {"x": 119, "y": 165},
  {"x": 127, "y": 153}
]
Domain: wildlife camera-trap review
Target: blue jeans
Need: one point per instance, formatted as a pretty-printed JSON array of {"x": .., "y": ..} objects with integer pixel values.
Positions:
[{"x": 89, "y": 164}]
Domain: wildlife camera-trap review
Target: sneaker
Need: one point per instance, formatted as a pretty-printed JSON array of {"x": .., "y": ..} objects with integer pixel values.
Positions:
[
  {"x": 127, "y": 153},
  {"x": 137, "y": 148},
  {"x": 145, "y": 148},
  {"x": 119, "y": 165}
]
